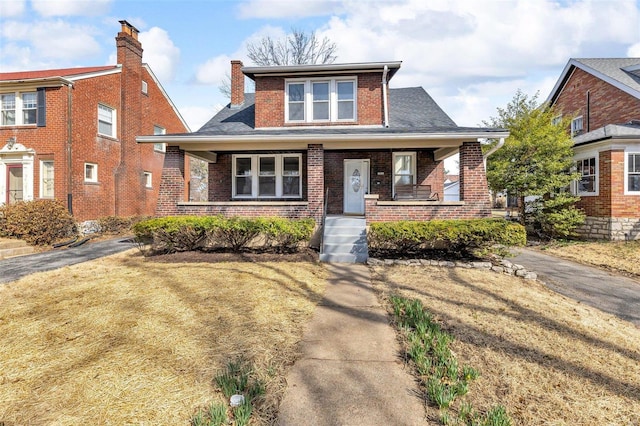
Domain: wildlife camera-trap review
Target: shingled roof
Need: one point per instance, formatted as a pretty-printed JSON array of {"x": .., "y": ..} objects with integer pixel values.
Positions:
[
  {"x": 623, "y": 73},
  {"x": 411, "y": 109}
]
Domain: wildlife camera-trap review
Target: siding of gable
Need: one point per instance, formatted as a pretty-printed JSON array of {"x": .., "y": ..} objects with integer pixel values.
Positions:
[
  {"x": 270, "y": 99},
  {"x": 607, "y": 104}
]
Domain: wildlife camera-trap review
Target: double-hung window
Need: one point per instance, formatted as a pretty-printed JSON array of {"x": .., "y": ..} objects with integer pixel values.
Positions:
[
  {"x": 632, "y": 169},
  {"x": 317, "y": 101},
  {"x": 267, "y": 176},
  {"x": 588, "y": 180},
  {"x": 404, "y": 168},
  {"x": 18, "y": 109},
  {"x": 160, "y": 147},
  {"x": 577, "y": 126},
  {"x": 46, "y": 179},
  {"x": 106, "y": 121}
]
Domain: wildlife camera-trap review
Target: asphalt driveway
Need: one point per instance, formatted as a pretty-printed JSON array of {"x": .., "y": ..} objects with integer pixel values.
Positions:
[
  {"x": 610, "y": 293},
  {"x": 15, "y": 268}
]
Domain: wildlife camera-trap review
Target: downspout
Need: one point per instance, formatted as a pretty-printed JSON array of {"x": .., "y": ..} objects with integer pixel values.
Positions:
[
  {"x": 69, "y": 151},
  {"x": 384, "y": 96}
]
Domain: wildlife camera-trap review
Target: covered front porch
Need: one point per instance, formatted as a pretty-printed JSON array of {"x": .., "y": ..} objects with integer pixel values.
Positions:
[{"x": 335, "y": 175}]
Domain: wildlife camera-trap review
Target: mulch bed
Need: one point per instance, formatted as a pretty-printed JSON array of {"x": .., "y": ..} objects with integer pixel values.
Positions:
[{"x": 306, "y": 255}]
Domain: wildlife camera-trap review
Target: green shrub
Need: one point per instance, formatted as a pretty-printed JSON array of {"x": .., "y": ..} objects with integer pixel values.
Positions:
[
  {"x": 456, "y": 237},
  {"x": 557, "y": 217},
  {"x": 184, "y": 233},
  {"x": 38, "y": 222}
]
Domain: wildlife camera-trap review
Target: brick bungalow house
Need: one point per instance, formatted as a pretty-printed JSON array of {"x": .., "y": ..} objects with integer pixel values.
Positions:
[
  {"x": 602, "y": 96},
  {"x": 69, "y": 134},
  {"x": 327, "y": 138}
]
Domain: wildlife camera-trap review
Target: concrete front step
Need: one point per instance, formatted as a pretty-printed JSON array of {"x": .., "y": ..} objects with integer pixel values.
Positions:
[{"x": 344, "y": 240}]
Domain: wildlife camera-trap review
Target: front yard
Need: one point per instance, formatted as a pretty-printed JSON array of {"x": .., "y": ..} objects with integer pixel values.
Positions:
[
  {"x": 129, "y": 340},
  {"x": 124, "y": 340},
  {"x": 548, "y": 359}
]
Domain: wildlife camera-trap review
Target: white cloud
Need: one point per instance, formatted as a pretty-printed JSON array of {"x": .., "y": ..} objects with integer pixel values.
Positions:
[
  {"x": 12, "y": 8},
  {"x": 266, "y": 9},
  {"x": 71, "y": 7},
  {"x": 197, "y": 116},
  {"x": 634, "y": 51},
  {"x": 160, "y": 53},
  {"x": 213, "y": 71},
  {"x": 51, "y": 42}
]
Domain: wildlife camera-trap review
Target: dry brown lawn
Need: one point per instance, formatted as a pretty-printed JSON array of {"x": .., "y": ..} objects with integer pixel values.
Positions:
[
  {"x": 548, "y": 359},
  {"x": 126, "y": 340},
  {"x": 611, "y": 255}
]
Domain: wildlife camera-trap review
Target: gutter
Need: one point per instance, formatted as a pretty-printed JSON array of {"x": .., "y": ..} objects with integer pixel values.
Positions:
[
  {"x": 384, "y": 96},
  {"x": 492, "y": 150}
]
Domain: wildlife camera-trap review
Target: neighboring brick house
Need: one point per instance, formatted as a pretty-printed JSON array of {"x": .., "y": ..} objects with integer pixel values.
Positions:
[
  {"x": 69, "y": 134},
  {"x": 602, "y": 96},
  {"x": 334, "y": 137}
]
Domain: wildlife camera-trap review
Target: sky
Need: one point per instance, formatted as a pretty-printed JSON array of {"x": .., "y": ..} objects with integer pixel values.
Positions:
[{"x": 471, "y": 56}]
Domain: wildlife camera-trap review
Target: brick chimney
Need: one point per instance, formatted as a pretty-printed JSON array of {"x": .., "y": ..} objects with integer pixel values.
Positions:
[
  {"x": 129, "y": 48},
  {"x": 237, "y": 84}
]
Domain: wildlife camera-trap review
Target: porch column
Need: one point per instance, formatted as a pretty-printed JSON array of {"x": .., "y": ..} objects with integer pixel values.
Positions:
[
  {"x": 172, "y": 182},
  {"x": 474, "y": 190},
  {"x": 315, "y": 180}
]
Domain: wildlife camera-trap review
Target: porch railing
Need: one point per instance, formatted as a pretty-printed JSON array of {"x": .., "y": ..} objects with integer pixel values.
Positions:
[{"x": 324, "y": 218}]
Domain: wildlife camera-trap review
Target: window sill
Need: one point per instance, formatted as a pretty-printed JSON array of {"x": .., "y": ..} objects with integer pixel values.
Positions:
[{"x": 88, "y": 182}]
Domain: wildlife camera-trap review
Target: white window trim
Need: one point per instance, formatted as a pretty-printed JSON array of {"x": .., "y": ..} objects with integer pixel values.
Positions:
[
  {"x": 42, "y": 184},
  {"x": 148, "y": 180},
  {"x": 145, "y": 88},
  {"x": 596, "y": 182},
  {"x": 574, "y": 122},
  {"x": 19, "y": 111},
  {"x": 159, "y": 147},
  {"x": 114, "y": 121},
  {"x": 333, "y": 99},
  {"x": 626, "y": 173},
  {"x": 255, "y": 158},
  {"x": 414, "y": 167},
  {"x": 94, "y": 177}
]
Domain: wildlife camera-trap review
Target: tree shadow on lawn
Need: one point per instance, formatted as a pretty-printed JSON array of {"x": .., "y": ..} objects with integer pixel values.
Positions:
[{"x": 481, "y": 338}]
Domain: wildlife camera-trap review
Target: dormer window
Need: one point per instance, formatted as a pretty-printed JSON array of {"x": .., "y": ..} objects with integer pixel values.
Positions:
[{"x": 317, "y": 101}]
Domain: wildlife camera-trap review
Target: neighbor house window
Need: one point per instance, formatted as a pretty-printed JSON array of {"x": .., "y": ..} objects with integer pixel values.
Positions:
[
  {"x": 556, "y": 120},
  {"x": 106, "y": 121},
  {"x": 404, "y": 168},
  {"x": 90, "y": 172},
  {"x": 46, "y": 179},
  {"x": 145, "y": 87},
  {"x": 632, "y": 170},
  {"x": 148, "y": 180},
  {"x": 588, "y": 170},
  {"x": 160, "y": 147},
  {"x": 577, "y": 126},
  {"x": 267, "y": 176},
  {"x": 309, "y": 101},
  {"x": 18, "y": 108}
]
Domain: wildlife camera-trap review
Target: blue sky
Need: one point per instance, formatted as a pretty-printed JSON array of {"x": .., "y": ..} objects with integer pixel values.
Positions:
[{"x": 470, "y": 55}]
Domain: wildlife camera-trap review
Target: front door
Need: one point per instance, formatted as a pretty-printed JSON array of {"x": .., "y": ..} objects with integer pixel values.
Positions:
[
  {"x": 15, "y": 183},
  {"x": 356, "y": 185}
]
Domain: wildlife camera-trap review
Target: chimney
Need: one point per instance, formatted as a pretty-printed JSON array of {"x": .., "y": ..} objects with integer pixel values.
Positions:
[
  {"x": 237, "y": 84},
  {"x": 129, "y": 48}
]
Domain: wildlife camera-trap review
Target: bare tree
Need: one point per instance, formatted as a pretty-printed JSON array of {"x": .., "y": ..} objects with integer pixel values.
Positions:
[{"x": 297, "y": 48}]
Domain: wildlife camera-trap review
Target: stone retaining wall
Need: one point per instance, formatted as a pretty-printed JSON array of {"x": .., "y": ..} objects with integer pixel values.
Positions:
[
  {"x": 502, "y": 267},
  {"x": 610, "y": 228}
]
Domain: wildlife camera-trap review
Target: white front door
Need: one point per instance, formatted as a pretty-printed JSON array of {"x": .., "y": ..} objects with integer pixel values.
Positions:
[{"x": 356, "y": 185}]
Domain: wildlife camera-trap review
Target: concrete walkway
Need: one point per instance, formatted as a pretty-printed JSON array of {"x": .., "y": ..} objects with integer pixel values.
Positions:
[
  {"x": 14, "y": 268},
  {"x": 610, "y": 293},
  {"x": 350, "y": 372}
]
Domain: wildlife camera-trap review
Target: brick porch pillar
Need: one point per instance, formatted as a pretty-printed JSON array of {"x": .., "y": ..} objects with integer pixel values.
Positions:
[
  {"x": 473, "y": 179},
  {"x": 315, "y": 180},
  {"x": 172, "y": 182}
]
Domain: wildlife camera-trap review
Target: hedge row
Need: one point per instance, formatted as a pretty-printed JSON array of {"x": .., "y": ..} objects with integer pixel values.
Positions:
[
  {"x": 187, "y": 233},
  {"x": 462, "y": 237},
  {"x": 38, "y": 222}
]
